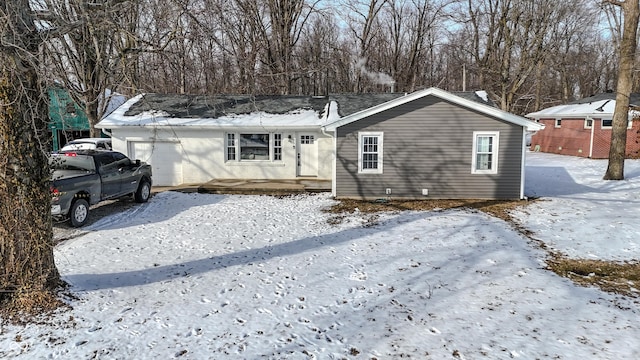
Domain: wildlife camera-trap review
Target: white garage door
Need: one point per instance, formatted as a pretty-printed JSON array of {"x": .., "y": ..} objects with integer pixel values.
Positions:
[{"x": 165, "y": 159}]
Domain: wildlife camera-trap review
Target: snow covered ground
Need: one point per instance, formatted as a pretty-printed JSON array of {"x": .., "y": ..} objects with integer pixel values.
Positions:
[{"x": 195, "y": 276}]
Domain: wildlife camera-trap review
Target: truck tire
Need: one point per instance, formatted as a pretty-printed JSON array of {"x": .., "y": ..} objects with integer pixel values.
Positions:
[
  {"x": 79, "y": 212},
  {"x": 144, "y": 191}
]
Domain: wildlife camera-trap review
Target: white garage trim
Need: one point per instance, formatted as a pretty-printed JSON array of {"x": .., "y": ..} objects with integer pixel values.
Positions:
[{"x": 164, "y": 156}]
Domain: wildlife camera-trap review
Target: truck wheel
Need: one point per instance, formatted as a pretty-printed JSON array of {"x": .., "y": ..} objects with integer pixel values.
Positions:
[
  {"x": 79, "y": 212},
  {"x": 143, "y": 192}
]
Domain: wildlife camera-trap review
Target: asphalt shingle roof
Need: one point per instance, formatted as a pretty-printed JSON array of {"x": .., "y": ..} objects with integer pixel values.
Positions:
[
  {"x": 634, "y": 98},
  {"x": 214, "y": 106}
]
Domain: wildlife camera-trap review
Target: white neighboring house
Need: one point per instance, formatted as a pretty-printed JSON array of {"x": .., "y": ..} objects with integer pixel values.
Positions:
[{"x": 194, "y": 139}]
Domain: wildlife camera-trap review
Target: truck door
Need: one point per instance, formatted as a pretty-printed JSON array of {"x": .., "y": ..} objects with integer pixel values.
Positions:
[
  {"x": 109, "y": 174},
  {"x": 126, "y": 170}
]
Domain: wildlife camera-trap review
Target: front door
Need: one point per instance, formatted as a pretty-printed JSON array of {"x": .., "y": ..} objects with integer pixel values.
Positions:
[{"x": 307, "y": 155}]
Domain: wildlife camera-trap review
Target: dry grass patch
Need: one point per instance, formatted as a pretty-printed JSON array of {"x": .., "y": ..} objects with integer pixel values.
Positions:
[
  {"x": 497, "y": 208},
  {"x": 610, "y": 276}
]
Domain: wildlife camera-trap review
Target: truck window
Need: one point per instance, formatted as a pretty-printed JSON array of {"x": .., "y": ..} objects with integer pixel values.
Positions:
[
  {"x": 68, "y": 162},
  {"x": 112, "y": 161},
  {"x": 105, "y": 162}
]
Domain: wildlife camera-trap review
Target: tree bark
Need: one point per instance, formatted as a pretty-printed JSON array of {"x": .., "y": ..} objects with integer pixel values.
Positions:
[
  {"x": 27, "y": 268},
  {"x": 628, "y": 45}
]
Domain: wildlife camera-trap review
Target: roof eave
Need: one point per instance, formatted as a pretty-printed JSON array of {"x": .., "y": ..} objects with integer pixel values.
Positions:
[
  {"x": 486, "y": 109},
  {"x": 211, "y": 126},
  {"x": 570, "y": 116}
]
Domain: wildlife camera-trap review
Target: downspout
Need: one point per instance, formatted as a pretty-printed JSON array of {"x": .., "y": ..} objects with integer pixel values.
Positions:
[
  {"x": 523, "y": 166},
  {"x": 335, "y": 152},
  {"x": 333, "y": 161},
  {"x": 593, "y": 125}
]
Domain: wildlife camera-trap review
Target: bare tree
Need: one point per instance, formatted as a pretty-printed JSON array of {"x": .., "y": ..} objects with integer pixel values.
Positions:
[
  {"x": 27, "y": 268},
  {"x": 412, "y": 36},
  {"x": 240, "y": 38},
  {"x": 95, "y": 53},
  {"x": 519, "y": 50},
  {"x": 364, "y": 26},
  {"x": 314, "y": 57},
  {"x": 511, "y": 41},
  {"x": 574, "y": 64},
  {"x": 628, "y": 47},
  {"x": 287, "y": 18}
]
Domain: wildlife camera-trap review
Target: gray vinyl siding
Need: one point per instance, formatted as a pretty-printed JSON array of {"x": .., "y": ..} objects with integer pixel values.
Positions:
[{"x": 428, "y": 144}]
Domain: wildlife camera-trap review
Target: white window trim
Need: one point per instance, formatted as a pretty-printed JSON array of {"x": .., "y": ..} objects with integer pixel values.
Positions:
[
  {"x": 273, "y": 140},
  {"x": 237, "y": 147},
  {"x": 629, "y": 124},
  {"x": 558, "y": 123},
  {"x": 586, "y": 126},
  {"x": 379, "y": 135},
  {"x": 227, "y": 147},
  {"x": 496, "y": 148}
]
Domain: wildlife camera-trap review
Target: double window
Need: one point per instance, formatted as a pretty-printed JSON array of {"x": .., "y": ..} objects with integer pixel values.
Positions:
[
  {"x": 485, "y": 153},
  {"x": 253, "y": 147},
  {"x": 370, "y": 152}
]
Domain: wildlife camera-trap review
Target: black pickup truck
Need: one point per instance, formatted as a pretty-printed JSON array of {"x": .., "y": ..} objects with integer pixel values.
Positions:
[{"x": 85, "y": 177}]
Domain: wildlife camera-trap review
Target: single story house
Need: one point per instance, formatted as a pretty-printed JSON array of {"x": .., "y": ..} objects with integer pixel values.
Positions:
[
  {"x": 430, "y": 143},
  {"x": 195, "y": 138},
  {"x": 583, "y": 128}
]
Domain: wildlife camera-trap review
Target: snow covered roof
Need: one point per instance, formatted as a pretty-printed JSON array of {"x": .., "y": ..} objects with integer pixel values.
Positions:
[
  {"x": 597, "y": 109},
  {"x": 226, "y": 111},
  {"x": 115, "y": 101},
  {"x": 473, "y": 102},
  {"x": 246, "y": 111},
  {"x": 599, "y": 106}
]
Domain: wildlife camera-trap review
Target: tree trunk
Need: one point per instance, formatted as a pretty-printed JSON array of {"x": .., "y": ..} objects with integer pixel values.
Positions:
[
  {"x": 617, "y": 151},
  {"x": 27, "y": 268}
]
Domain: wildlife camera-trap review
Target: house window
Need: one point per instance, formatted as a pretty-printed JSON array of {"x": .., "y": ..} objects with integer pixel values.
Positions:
[
  {"x": 70, "y": 108},
  {"x": 607, "y": 124},
  {"x": 277, "y": 147},
  {"x": 558, "y": 123},
  {"x": 588, "y": 123},
  {"x": 254, "y": 147},
  {"x": 231, "y": 147},
  {"x": 370, "y": 152},
  {"x": 307, "y": 139},
  {"x": 485, "y": 153}
]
